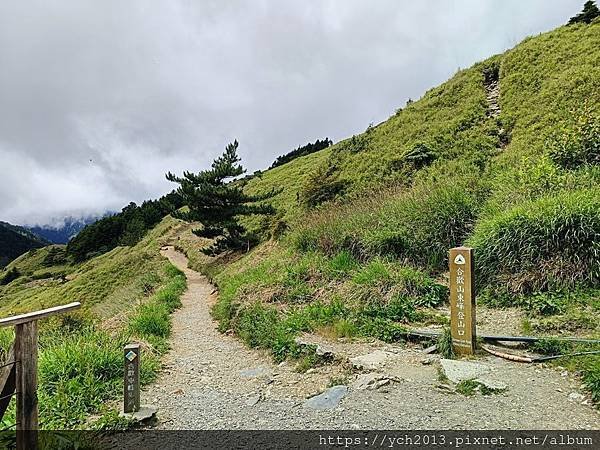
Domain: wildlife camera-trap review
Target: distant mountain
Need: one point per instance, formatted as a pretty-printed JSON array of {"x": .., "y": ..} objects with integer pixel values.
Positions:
[
  {"x": 15, "y": 240},
  {"x": 63, "y": 233}
]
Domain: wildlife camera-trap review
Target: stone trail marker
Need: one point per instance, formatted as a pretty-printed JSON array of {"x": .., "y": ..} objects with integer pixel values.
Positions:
[
  {"x": 131, "y": 385},
  {"x": 462, "y": 300}
]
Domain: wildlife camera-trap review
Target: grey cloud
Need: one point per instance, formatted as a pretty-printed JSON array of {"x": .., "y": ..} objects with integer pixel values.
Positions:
[{"x": 99, "y": 99}]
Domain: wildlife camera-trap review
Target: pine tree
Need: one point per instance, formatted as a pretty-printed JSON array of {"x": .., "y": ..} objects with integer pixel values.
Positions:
[
  {"x": 216, "y": 202},
  {"x": 589, "y": 13}
]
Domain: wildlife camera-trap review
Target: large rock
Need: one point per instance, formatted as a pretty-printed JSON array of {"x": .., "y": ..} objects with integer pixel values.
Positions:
[
  {"x": 145, "y": 414},
  {"x": 457, "y": 371},
  {"x": 328, "y": 399},
  {"x": 372, "y": 361}
]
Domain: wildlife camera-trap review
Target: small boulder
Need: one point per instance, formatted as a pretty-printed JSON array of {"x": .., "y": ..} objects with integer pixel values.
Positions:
[
  {"x": 253, "y": 400},
  {"x": 324, "y": 351},
  {"x": 146, "y": 413},
  {"x": 371, "y": 381},
  {"x": 328, "y": 399},
  {"x": 372, "y": 361},
  {"x": 576, "y": 397},
  {"x": 457, "y": 371}
]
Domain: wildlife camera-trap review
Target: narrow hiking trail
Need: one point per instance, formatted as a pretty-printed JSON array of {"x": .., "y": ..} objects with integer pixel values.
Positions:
[
  {"x": 492, "y": 95},
  {"x": 213, "y": 381},
  {"x": 491, "y": 84}
]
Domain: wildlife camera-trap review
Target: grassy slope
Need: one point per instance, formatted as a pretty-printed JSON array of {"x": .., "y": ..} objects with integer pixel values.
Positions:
[
  {"x": 370, "y": 264},
  {"x": 104, "y": 285},
  {"x": 126, "y": 295}
]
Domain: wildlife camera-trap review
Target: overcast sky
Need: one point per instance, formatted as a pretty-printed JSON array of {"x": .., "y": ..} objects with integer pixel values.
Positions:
[{"x": 98, "y": 99}]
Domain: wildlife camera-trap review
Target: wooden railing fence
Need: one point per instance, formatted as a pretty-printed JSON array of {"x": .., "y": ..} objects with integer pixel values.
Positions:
[{"x": 18, "y": 374}]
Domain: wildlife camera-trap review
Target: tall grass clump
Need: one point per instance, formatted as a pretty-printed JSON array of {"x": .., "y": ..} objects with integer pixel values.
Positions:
[
  {"x": 444, "y": 344},
  {"x": 591, "y": 376},
  {"x": 77, "y": 373},
  {"x": 152, "y": 319},
  {"x": 341, "y": 264},
  {"x": 546, "y": 244}
]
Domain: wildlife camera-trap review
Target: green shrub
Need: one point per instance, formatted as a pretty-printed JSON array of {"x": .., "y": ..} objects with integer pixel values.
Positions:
[
  {"x": 424, "y": 290},
  {"x": 170, "y": 295},
  {"x": 308, "y": 361},
  {"x": 530, "y": 179},
  {"x": 345, "y": 328},
  {"x": 148, "y": 282},
  {"x": 255, "y": 324},
  {"x": 322, "y": 186},
  {"x": 544, "y": 303},
  {"x": 420, "y": 156},
  {"x": 77, "y": 374},
  {"x": 382, "y": 329},
  {"x": 547, "y": 244},
  {"x": 419, "y": 225},
  {"x": 55, "y": 256},
  {"x": 397, "y": 309},
  {"x": 578, "y": 144},
  {"x": 551, "y": 346},
  {"x": 467, "y": 387}
]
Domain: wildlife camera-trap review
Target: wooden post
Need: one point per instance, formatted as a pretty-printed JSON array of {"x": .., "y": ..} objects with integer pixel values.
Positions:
[
  {"x": 26, "y": 340},
  {"x": 131, "y": 382},
  {"x": 8, "y": 380},
  {"x": 462, "y": 301}
]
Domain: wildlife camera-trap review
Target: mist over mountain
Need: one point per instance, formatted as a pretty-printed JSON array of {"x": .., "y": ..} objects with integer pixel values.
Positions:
[{"x": 61, "y": 232}]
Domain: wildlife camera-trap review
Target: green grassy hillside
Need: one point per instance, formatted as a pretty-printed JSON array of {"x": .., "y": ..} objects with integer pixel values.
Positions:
[
  {"x": 127, "y": 295},
  {"x": 542, "y": 81},
  {"x": 522, "y": 187}
]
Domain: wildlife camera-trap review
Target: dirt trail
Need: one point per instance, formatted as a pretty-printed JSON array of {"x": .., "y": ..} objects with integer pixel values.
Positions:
[{"x": 212, "y": 381}]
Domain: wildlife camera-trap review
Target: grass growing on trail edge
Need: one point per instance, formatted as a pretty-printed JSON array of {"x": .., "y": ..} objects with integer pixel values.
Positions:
[
  {"x": 587, "y": 365},
  {"x": 81, "y": 365},
  {"x": 444, "y": 344}
]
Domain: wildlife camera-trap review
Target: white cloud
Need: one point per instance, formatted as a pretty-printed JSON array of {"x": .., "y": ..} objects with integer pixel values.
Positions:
[{"x": 143, "y": 87}]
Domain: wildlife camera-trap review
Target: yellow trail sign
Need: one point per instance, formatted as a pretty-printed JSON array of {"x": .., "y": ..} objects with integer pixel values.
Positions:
[{"x": 462, "y": 300}]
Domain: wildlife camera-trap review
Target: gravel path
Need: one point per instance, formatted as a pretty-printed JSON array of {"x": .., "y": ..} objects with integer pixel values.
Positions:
[{"x": 212, "y": 381}]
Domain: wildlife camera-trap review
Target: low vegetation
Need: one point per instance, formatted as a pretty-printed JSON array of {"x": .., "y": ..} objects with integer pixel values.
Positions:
[{"x": 81, "y": 354}]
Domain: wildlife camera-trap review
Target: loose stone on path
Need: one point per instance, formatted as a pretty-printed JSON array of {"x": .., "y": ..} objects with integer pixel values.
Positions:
[{"x": 328, "y": 399}]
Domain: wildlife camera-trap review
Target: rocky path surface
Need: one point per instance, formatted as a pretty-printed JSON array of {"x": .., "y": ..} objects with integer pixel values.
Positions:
[
  {"x": 212, "y": 381},
  {"x": 492, "y": 94}
]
